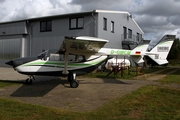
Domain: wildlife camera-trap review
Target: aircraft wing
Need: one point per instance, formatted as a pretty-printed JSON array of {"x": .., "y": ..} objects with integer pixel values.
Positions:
[{"x": 82, "y": 44}]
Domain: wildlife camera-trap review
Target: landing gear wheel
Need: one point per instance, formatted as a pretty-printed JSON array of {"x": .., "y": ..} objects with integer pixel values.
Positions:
[
  {"x": 71, "y": 79},
  {"x": 74, "y": 84},
  {"x": 28, "y": 81}
]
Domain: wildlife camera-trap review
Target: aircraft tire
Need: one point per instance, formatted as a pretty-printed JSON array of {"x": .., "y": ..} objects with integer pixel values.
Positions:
[
  {"x": 74, "y": 84},
  {"x": 28, "y": 81}
]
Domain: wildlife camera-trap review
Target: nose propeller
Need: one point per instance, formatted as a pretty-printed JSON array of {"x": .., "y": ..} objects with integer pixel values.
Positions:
[{"x": 10, "y": 63}]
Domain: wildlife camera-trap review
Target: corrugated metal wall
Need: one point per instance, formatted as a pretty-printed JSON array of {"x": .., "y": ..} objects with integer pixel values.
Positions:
[
  {"x": 45, "y": 43},
  {"x": 9, "y": 49}
]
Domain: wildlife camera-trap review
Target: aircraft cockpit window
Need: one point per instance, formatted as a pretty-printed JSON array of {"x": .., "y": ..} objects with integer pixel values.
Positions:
[{"x": 54, "y": 57}]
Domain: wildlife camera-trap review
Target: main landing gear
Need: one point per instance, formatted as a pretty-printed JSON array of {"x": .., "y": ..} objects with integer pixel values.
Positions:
[
  {"x": 71, "y": 78},
  {"x": 29, "y": 80}
]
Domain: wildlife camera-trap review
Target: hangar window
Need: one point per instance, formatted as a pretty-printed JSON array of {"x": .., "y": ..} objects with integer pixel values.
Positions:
[
  {"x": 76, "y": 23},
  {"x": 112, "y": 26},
  {"x": 105, "y": 23},
  {"x": 46, "y": 26}
]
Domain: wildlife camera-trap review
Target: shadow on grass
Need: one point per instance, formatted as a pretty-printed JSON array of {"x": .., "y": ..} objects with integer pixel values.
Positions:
[
  {"x": 44, "y": 85},
  {"x": 37, "y": 89}
]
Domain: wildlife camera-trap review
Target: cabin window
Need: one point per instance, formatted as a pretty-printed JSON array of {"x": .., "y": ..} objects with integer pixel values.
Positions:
[
  {"x": 80, "y": 58},
  {"x": 105, "y": 23},
  {"x": 46, "y": 26},
  {"x": 54, "y": 57},
  {"x": 76, "y": 23},
  {"x": 112, "y": 26},
  {"x": 61, "y": 57},
  {"x": 76, "y": 58}
]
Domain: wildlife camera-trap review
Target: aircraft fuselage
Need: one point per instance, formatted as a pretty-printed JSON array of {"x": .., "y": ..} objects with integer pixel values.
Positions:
[{"x": 48, "y": 67}]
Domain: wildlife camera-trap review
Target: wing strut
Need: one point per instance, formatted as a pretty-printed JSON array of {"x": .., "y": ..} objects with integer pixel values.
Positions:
[{"x": 66, "y": 63}]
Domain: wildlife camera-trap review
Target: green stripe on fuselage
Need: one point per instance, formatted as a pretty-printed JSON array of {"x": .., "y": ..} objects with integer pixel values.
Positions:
[{"x": 53, "y": 63}]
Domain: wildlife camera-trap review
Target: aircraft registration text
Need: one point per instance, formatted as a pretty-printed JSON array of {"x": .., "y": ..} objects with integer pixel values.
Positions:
[
  {"x": 120, "y": 52},
  {"x": 163, "y": 49}
]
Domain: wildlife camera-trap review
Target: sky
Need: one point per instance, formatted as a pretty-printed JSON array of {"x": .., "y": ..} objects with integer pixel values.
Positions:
[{"x": 155, "y": 17}]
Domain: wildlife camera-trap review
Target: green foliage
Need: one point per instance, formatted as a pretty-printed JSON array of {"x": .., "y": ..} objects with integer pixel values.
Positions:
[{"x": 174, "y": 53}]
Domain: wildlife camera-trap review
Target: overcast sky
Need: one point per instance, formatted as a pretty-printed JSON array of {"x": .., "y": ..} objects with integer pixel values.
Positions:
[{"x": 155, "y": 17}]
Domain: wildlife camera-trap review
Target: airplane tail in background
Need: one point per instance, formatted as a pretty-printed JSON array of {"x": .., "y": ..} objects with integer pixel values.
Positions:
[
  {"x": 162, "y": 49},
  {"x": 138, "y": 53},
  {"x": 158, "y": 53}
]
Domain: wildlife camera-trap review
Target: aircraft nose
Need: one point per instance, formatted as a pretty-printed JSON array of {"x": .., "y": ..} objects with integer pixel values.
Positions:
[{"x": 11, "y": 63}]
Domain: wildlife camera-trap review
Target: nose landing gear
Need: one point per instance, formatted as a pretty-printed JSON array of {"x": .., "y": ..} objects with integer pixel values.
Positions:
[{"x": 29, "y": 80}]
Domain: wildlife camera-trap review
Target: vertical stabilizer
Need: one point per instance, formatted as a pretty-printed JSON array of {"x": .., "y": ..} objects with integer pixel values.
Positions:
[{"x": 162, "y": 49}]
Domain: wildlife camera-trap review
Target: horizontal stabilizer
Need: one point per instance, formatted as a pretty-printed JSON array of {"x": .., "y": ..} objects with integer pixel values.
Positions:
[{"x": 137, "y": 59}]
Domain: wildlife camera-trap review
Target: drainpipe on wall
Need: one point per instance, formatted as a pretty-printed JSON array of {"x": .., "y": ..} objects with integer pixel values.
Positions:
[
  {"x": 22, "y": 47},
  {"x": 30, "y": 37},
  {"x": 94, "y": 24},
  {"x": 29, "y": 31}
]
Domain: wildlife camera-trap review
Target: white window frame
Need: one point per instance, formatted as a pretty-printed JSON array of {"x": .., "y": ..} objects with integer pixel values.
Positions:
[
  {"x": 76, "y": 23},
  {"x": 112, "y": 26}
]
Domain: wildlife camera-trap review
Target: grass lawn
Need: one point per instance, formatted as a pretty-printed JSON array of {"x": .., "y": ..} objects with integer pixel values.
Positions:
[
  {"x": 172, "y": 78},
  {"x": 4, "y": 83},
  {"x": 148, "y": 102},
  {"x": 126, "y": 74}
]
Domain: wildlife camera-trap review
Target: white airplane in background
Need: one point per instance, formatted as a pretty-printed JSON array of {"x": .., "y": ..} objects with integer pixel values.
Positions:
[
  {"x": 82, "y": 55},
  {"x": 117, "y": 62}
]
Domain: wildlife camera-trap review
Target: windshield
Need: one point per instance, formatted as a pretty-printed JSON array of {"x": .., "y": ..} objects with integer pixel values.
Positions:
[
  {"x": 43, "y": 54},
  {"x": 55, "y": 55}
]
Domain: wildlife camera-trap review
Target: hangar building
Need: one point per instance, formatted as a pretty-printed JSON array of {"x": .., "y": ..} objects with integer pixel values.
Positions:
[{"x": 29, "y": 37}]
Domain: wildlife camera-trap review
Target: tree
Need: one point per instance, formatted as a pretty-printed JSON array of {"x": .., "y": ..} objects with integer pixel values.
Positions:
[{"x": 174, "y": 53}]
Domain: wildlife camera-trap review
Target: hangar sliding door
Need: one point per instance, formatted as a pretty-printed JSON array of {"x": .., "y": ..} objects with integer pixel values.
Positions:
[{"x": 9, "y": 49}]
